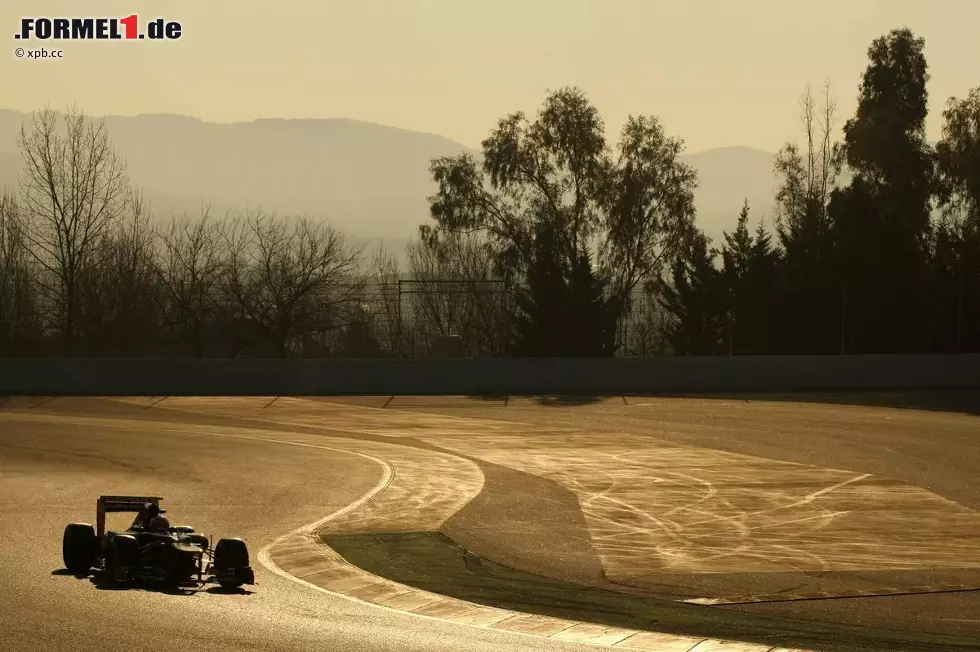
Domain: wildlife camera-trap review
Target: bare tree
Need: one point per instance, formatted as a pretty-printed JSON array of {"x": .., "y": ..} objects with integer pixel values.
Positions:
[
  {"x": 456, "y": 291},
  {"x": 193, "y": 258},
  {"x": 809, "y": 178},
  {"x": 811, "y": 255},
  {"x": 433, "y": 308},
  {"x": 17, "y": 309},
  {"x": 385, "y": 275},
  {"x": 11, "y": 252},
  {"x": 235, "y": 298},
  {"x": 292, "y": 278},
  {"x": 123, "y": 302},
  {"x": 73, "y": 190}
]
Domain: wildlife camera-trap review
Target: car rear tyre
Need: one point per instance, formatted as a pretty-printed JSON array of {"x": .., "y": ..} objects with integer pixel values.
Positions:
[{"x": 78, "y": 547}]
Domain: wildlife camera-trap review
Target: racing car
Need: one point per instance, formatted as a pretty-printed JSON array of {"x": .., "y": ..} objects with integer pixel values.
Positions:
[{"x": 178, "y": 555}]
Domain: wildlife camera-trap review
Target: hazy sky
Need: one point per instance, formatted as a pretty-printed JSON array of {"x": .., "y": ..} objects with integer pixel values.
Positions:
[{"x": 717, "y": 72}]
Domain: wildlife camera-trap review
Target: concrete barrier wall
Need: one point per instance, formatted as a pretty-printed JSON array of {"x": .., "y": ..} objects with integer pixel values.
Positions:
[{"x": 45, "y": 377}]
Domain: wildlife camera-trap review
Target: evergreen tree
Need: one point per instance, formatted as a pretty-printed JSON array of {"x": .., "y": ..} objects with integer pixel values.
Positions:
[
  {"x": 955, "y": 285},
  {"x": 736, "y": 257},
  {"x": 540, "y": 304},
  {"x": 697, "y": 301},
  {"x": 882, "y": 219},
  {"x": 563, "y": 310},
  {"x": 855, "y": 260},
  {"x": 807, "y": 290},
  {"x": 591, "y": 322},
  {"x": 763, "y": 269},
  {"x": 946, "y": 287},
  {"x": 749, "y": 269},
  {"x": 968, "y": 305}
]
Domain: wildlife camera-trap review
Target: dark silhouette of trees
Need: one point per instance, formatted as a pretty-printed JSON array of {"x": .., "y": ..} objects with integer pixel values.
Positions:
[
  {"x": 808, "y": 292},
  {"x": 563, "y": 310},
  {"x": 541, "y": 308},
  {"x": 73, "y": 191},
  {"x": 649, "y": 208},
  {"x": 749, "y": 267},
  {"x": 190, "y": 268},
  {"x": 956, "y": 238},
  {"x": 290, "y": 278},
  {"x": 592, "y": 314},
  {"x": 859, "y": 268},
  {"x": 958, "y": 158},
  {"x": 122, "y": 294},
  {"x": 384, "y": 276},
  {"x": 882, "y": 219},
  {"x": 763, "y": 282},
  {"x": 628, "y": 210},
  {"x": 537, "y": 249},
  {"x": 726, "y": 309},
  {"x": 19, "y": 324},
  {"x": 697, "y": 299},
  {"x": 455, "y": 290}
]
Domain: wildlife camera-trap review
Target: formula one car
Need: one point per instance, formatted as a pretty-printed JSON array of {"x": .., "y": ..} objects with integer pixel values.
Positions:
[{"x": 177, "y": 555}]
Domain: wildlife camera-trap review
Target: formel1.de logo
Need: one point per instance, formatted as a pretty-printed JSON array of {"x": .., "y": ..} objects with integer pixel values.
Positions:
[{"x": 97, "y": 29}]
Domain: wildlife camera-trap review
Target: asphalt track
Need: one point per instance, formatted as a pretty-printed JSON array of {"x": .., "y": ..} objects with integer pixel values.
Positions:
[
  {"x": 920, "y": 468},
  {"x": 50, "y": 474}
]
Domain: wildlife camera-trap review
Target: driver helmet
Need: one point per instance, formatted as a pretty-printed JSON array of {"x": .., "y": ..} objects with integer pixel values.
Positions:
[{"x": 152, "y": 509}]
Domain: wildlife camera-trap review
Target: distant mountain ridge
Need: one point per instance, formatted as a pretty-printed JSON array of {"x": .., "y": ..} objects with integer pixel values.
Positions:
[{"x": 370, "y": 180}]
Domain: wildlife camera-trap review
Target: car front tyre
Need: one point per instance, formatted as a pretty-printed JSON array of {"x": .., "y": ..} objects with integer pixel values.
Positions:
[{"x": 231, "y": 563}]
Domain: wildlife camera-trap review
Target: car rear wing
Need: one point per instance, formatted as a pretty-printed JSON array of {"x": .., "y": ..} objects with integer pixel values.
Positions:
[{"x": 107, "y": 504}]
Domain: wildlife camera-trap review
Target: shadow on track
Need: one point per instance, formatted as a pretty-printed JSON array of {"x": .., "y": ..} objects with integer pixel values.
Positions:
[
  {"x": 568, "y": 401},
  {"x": 489, "y": 400},
  {"x": 65, "y": 571},
  {"x": 964, "y": 401},
  {"x": 220, "y": 590},
  {"x": 102, "y": 582}
]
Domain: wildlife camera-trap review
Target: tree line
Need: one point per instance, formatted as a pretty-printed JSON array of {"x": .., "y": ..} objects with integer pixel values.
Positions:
[
  {"x": 85, "y": 271},
  {"x": 877, "y": 240},
  {"x": 875, "y": 246},
  {"x": 552, "y": 242}
]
